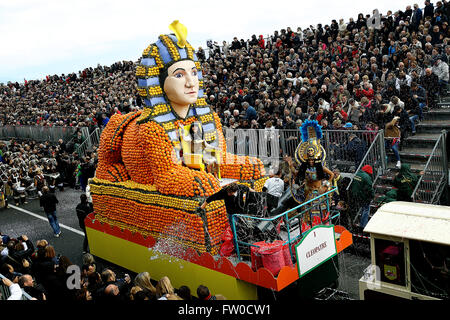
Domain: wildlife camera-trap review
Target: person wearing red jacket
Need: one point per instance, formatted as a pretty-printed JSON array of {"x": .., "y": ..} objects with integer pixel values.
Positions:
[
  {"x": 342, "y": 113},
  {"x": 261, "y": 42},
  {"x": 365, "y": 91}
]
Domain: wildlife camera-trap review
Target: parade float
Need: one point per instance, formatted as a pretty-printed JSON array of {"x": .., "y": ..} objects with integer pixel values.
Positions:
[{"x": 156, "y": 167}]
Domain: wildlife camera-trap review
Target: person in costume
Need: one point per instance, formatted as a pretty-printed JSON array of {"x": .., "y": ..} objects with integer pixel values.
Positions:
[
  {"x": 310, "y": 155},
  {"x": 311, "y": 178},
  {"x": 198, "y": 146}
]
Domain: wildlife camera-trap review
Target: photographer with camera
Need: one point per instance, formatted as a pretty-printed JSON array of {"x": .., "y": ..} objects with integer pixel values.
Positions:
[
  {"x": 19, "y": 253},
  {"x": 112, "y": 288}
]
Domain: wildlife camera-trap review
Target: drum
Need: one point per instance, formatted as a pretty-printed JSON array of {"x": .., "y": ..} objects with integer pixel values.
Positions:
[{"x": 21, "y": 189}]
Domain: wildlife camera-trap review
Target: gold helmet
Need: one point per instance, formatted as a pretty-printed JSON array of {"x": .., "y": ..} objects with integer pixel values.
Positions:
[{"x": 310, "y": 147}]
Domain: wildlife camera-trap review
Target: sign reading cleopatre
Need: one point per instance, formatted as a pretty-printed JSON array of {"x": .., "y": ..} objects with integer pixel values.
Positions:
[{"x": 316, "y": 247}]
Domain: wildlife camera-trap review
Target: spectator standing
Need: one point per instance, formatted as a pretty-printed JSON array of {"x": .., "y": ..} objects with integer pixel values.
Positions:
[
  {"x": 274, "y": 188},
  {"x": 203, "y": 293},
  {"x": 430, "y": 82},
  {"x": 440, "y": 68},
  {"x": 105, "y": 120},
  {"x": 416, "y": 17},
  {"x": 250, "y": 112},
  {"x": 165, "y": 290},
  {"x": 143, "y": 281},
  {"x": 19, "y": 254},
  {"x": 113, "y": 289},
  {"x": 363, "y": 192},
  {"x": 392, "y": 138},
  {"x": 405, "y": 182},
  {"x": 356, "y": 149},
  {"x": 14, "y": 289},
  {"x": 26, "y": 282},
  {"x": 428, "y": 10},
  {"x": 83, "y": 209},
  {"x": 49, "y": 201},
  {"x": 184, "y": 292}
]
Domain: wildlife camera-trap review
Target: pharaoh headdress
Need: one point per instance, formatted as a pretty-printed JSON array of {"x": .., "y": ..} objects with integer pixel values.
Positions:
[
  {"x": 151, "y": 71},
  {"x": 156, "y": 59}
]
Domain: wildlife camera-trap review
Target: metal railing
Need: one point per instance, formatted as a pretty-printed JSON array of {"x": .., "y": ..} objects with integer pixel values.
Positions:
[
  {"x": 318, "y": 206},
  {"x": 5, "y": 293},
  {"x": 92, "y": 139},
  {"x": 435, "y": 174},
  {"x": 37, "y": 133},
  {"x": 345, "y": 148},
  {"x": 375, "y": 157}
]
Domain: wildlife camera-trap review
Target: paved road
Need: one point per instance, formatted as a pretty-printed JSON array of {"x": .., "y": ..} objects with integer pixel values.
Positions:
[{"x": 31, "y": 220}]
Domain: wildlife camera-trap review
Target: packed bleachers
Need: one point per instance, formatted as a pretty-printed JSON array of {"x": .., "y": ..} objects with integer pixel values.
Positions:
[
  {"x": 83, "y": 99},
  {"x": 345, "y": 75}
]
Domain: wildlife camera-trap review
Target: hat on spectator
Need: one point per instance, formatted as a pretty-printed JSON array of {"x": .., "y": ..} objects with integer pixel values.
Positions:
[
  {"x": 348, "y": 125},
  {"x": 368, "y": 169}
]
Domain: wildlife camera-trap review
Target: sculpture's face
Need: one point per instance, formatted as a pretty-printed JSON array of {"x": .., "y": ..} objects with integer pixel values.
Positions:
[{"x": 181, "y": 85}]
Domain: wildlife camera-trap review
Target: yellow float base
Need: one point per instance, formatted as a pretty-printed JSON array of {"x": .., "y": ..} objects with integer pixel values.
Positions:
[{"x": 138, "y": 258}]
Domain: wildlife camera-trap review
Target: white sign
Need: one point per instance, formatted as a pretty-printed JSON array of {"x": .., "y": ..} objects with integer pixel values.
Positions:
[{"x": 316, "y": 247}]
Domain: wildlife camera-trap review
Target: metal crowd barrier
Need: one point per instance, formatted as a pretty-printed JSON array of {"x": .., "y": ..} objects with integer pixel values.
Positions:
[
  {"x": 432, "y": 183},
  {"x": 5, "y": 293},
  {"x": 375, "y": 157},
  {"x": 272, "y": 145},
  {"x": 346, "y": 148},
  {"x": 52, "y": 134},
  {"x": 92, "y": 139},
  {"x": 310, "y": 207}
]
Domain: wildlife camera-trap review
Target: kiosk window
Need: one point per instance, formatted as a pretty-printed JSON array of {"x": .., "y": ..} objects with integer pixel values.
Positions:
[
  {"x": 430, "y": 269},
  {"x": 390, "y": 258}
]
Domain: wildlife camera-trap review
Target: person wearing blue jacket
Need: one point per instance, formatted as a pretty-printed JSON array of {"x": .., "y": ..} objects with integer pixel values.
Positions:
[{"x": 250, "y": 112}]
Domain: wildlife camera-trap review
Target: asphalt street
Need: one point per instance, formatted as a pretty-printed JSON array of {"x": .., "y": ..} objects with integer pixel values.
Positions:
[{"x": 30, "y": 219}]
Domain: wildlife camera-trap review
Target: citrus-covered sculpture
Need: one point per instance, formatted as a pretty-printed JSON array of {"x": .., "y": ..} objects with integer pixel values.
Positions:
[{"x": 153, "y": 164}]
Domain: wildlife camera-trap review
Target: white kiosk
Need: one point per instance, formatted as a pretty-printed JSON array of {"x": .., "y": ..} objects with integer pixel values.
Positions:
[{"x": 410, "y": 253}]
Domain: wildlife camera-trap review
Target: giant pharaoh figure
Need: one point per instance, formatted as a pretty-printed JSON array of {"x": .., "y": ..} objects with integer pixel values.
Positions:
[{"x": 149, "y": 179}]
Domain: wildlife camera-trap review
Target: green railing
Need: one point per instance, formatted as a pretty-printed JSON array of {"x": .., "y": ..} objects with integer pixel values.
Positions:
[{"x": 315, "y": 204}]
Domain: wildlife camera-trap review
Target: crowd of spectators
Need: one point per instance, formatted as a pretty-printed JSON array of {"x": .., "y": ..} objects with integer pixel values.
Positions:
[
  {"x": 344, "y": 75},
  {"x": 346, "y": 72},
  {"x": 45, "y": 275},
  {"x": 27, "y": 166},
  {"x": 84, "y": 99}
]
